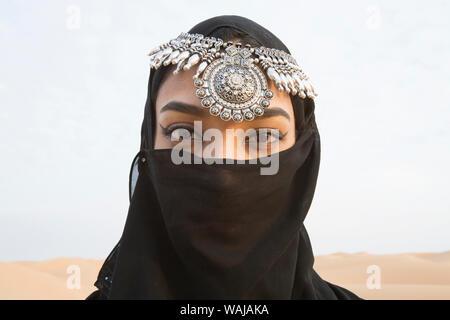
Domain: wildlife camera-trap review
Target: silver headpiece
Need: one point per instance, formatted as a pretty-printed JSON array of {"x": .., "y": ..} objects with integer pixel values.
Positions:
[{"x": 230, "y": 78}]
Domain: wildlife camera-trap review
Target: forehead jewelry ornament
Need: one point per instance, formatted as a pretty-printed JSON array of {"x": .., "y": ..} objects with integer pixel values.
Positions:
[{"x": 230, "y": 79}]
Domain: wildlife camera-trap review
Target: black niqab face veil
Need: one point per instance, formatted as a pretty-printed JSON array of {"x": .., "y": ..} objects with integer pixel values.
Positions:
[{"x": 220, "y": 231}]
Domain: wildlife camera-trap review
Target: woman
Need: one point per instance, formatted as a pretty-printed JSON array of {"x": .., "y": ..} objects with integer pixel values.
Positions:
[{"x": 220, "y": 231}]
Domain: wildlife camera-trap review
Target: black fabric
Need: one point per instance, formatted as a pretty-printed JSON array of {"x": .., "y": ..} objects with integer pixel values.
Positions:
[{"x": 220, "y": 231}]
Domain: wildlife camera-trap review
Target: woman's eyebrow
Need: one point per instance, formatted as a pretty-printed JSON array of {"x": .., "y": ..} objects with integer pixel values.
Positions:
[
  {"x": 182, "y": 107},
  {"x": 273, "y": 112},
  {"x": 196, "y": 110}
]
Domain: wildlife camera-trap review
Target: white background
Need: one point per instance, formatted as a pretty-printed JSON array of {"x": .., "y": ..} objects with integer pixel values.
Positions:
[{"x": 73, "y": 83}]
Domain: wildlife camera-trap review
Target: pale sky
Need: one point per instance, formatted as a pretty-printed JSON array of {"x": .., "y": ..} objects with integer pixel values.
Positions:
[{"x": 73, "y": 83}]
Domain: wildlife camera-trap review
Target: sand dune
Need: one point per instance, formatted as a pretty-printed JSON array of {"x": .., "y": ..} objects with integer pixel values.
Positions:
[
  {"x": 47, "y": 279},
  {"x": 402, "y": 276}
]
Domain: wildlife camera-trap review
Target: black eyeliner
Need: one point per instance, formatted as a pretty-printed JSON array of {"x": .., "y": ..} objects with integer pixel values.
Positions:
[{"x": 167, "y": 131}]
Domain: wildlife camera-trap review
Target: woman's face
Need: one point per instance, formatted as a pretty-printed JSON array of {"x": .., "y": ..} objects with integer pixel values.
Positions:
[{"x": 177, "y": 107}]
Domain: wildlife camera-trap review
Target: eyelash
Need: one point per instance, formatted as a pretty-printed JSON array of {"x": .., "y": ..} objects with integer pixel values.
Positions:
[
  {"x": 167, "y": 131},
  {"x": 278, "y": 135}
]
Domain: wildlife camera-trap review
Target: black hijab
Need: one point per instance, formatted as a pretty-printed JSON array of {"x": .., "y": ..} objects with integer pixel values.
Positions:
[{"x": 220, "y": 231}]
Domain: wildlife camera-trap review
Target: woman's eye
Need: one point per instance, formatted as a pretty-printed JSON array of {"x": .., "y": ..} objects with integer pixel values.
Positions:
[
  {"x": 266, "y": 136},
  {"x": 181, "y": 132},
  {"x": 178, "y": 134}
]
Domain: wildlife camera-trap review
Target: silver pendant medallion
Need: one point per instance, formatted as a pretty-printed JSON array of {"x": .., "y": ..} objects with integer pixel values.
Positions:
[{"x": 233, "y": 87}]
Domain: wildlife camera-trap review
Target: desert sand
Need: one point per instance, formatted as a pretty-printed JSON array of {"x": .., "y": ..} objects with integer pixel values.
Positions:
[{"x": 402, "y": 276}]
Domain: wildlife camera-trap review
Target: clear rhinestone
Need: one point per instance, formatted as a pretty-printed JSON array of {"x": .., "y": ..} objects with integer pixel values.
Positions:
[
  {"x": 268, "y": 94},
  {"x": 249, "y": 115},
  {"x": 237, "y": 117},
  {"x": 225, "y": 115},
  {"x": 258, "y": 111},
  {"x": 265, "y": 103},
  {"x": 198, "y": 83},
  {"x": 207, "y": 102},
  {"x": 200, "y": 93},
  {"x": 214, "y": 111}
]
